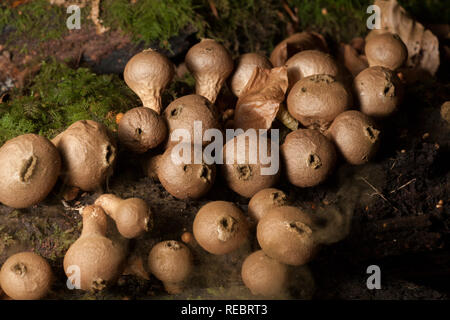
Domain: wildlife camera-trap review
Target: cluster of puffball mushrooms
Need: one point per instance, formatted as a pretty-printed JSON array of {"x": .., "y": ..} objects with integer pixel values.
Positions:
[{"x": 312, "y": 94}]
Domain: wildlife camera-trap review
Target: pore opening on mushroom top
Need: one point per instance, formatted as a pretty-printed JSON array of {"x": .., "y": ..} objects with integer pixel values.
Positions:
[
  {"x": 205, "y": 174},
  {"x": 314, "y": 161},
  {"x": 19, "y": 268},
  {"x": 226, "y": 228},
  {"x": 244, "y": 171},
  {"x": 28, "y": 168},
  {"x": 372, "y": 133}
]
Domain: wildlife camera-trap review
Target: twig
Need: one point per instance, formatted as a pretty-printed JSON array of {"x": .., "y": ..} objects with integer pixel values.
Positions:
[
  {"x": 289, "y": 12},
  {"x": 377, "y": 192},
  {"x": 409, "y": 182},
  {"x": 213, "y": 7}
]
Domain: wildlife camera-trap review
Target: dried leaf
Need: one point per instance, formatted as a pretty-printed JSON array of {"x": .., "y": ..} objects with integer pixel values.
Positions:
[
  {"x": 296, "y": 43},
  {"x": 422, "y": 44},
  {"x": 286, "y": 119},
  {"x": 351, "y": 59},
  {"x": 260, "y": 100}
]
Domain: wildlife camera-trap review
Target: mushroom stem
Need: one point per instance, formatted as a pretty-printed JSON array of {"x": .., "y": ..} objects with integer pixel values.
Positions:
[
  {"x": 109, "y": 203},
  {"x": 152, "y": 99},
  {"x": 94, "y": 221},
  {"x": 209, "y": 86},
  {"x": 173, "y": 288}
]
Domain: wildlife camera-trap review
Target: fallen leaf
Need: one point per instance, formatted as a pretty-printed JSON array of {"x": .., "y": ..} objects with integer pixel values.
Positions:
[{"x": 260, "y": 100}]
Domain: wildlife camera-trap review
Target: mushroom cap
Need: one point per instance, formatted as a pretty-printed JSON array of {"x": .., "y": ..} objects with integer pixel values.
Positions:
[
  {"x": 99, "y": 259},
  {"x": 184, "y": 111},
  {"x": 244, "y": 176},
  {"x": 186, "y": 179},
  {"x": 170, "y": 261},
  {"x": 309, "y": 157},
  {"x": 245, "y": 67},
  {"x": 316, "y": 100},
  {"x": 265, "y": 276},
  {"x": 355, "y": 136},
  {"x": 285, "y": 234},
  {"x": 141, "y": 129},
  {"x": 378, "y": 90},
  {"x": 147, "y": 74},
  {"x": 264, "y": 200},
  {"x": 30, "y": 166},
  {"x": 220, "y": 227},
  {"x": 88, "y": 154},
  {"x": 308, "y": 63},
  {"x": 211, "y": 64},
  {"x": 295, "y": 43},
  {"x": 386, "y": 50},
  {"x": 26, "y": 276},
  {"x": 133, "y": 217}
]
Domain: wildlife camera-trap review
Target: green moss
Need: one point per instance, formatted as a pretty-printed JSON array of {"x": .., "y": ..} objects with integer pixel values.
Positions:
[
  {"x": 60, "y": 96},
  {"x": 151, "y": 20},
  {"x": 37, "y": 20}
]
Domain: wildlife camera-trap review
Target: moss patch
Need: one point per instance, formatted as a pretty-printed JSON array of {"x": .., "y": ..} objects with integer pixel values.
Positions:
[
  {"x": 151, "y": 20},
  {"x": 37, "y": 20},
  {"x": 60, "y": 96}
]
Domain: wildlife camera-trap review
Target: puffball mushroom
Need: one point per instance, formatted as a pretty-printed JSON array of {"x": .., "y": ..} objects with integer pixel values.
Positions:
[
  {"x": 148, "y": 73},
  {"x": 30, "y": 166},
  {"x": 265, "y": 200},
  {"x": 308, "y": 157},
  {"x": 172, "y": 263},
  {"x": 245, "y": 67},
  {"x": 132, "y": 216},
  {"x": 220, "y": 227},
  {"x": 285, "y": 234},
  {"x": 26, "y": 276},
  {"x": 183, "y": 112},
  {"x": 100, "y": 259},
  {"x": 316, "y": 100},
  {"x": 264, "y": 275},
  {"x": 211, "y": 64},
  {"x": 355, "y": 136},
  {"x": 310, "y": 62},
  {"x": 378, "y": 90},
  {"x": 386, "y": 50},
  {"x": 141, "y": 129},
  {"x": 243, "y": 175},
  {"x": 88, "y": 154},
  {"x": 181, "y": 176}
]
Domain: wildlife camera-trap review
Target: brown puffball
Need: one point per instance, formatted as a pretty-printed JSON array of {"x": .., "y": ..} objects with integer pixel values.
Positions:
[
  {"x": 378, "y": 90},
  {"x": 211, "y": 64},
  {"x": 141, "y": 129},
  {"x": 185, "y": 179},
  {"x": 245, "y": 67},
  {"x": 172, "y": 263},
  {"x": 88, "y": 154},
  {"x": 265, "y": 200},
  {"x": 148, "y": 73},
  {"x": 264, "y": 275},
  {"x": 308, "y": 157},
  {"x": 183, "y": 112},
  {"x": 30, "y": 166},
  {"x": 132, "y": 216},
  {"x": 386, "y": 50},
  {"x": 220, "y": 227},
  {"x": 308, "y": 63},
  {"x": 96, "y": 259},
  {"x": 285, "y": 234},
  {"x": 26, "y": 276},
  {"x": 355, "y": 136},
  {"x": 243, "y": 174},
  {"x": 316, "y": 100},
  {"x": 295, "y": 43}
]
